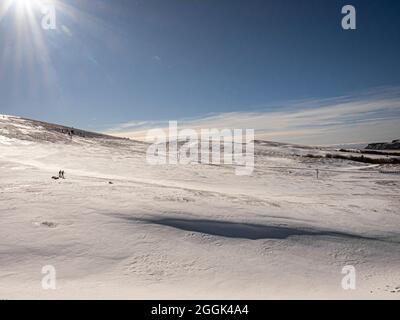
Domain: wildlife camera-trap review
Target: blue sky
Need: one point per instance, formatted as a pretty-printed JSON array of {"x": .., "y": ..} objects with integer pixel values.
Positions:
[{"x": 111, "y": 63}]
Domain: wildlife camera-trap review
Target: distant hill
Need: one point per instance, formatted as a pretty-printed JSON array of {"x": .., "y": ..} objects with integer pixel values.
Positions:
[
  {"x": 394, "y": 145},
  {"x": 12, "y": 127}
]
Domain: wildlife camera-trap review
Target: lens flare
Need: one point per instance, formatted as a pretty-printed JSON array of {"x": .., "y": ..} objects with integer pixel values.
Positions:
[{"x": 30, "y": 44}]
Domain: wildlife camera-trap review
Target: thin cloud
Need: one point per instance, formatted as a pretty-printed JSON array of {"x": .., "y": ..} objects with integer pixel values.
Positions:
[{"x": 369, "y": 116}]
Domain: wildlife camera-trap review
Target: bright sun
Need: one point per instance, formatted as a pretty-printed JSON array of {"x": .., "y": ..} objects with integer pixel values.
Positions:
[
  {"x": 21, "y": 6},
  {"x": 25, "y": 4},
  {"x": 24, "y": 8}
]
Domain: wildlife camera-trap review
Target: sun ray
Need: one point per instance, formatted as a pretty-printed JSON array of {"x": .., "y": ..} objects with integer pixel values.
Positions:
[
  {"x": 4, "y": 7},
  {"x": 28, "y": 50}
]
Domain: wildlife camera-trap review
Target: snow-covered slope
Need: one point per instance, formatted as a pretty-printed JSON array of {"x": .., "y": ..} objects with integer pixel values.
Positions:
[
  {"x": 118, "y": 227},
  {"x": 394, "y": 145},
  {"x": 37, "y": 131}
]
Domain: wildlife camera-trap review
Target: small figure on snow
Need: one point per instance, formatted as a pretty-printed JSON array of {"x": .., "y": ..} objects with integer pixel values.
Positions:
[{"x": 61, "y": 174}]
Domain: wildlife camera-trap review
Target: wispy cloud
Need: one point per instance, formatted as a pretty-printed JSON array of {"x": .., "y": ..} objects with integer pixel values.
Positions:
[{"x": 364, "y": 117}]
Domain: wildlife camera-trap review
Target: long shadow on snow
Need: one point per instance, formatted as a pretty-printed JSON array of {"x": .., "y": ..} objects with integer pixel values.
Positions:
[{"x": 242, "y": 230}]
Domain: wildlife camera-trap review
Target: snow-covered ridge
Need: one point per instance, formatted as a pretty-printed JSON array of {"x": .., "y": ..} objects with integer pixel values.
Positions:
[
  {"x": 21, "y": 129},
  {"x": 394, "y": 145},
  {"x": 17, "y": 130}
]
